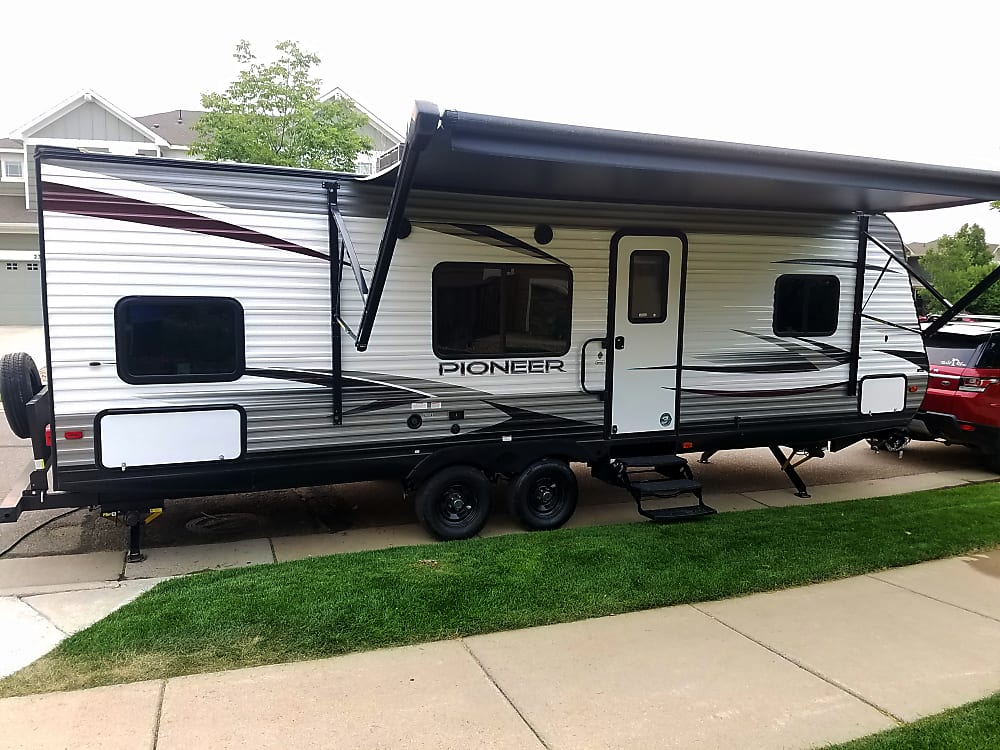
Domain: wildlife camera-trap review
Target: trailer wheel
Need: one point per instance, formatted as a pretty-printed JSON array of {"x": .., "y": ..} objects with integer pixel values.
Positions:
[
  {"x": 454, "y": 503},
  {"x": 19, "y": 382},
  {"x": 543, "y": 496}
]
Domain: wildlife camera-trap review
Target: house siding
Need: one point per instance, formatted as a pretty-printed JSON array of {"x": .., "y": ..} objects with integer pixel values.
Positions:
[{"x": 90, "y": 121}]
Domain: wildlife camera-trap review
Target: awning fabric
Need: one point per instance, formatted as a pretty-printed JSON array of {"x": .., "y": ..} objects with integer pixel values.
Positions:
[{"x": 486, "y": 155}]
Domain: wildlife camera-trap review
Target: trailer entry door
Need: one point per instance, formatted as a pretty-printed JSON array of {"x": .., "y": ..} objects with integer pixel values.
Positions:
[{"x": 648, "y": 302}]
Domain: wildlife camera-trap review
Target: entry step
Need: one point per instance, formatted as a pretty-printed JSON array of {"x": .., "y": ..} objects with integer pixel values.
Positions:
[
  {"x": 667, "y": 461},
  {"x": 666, "y": 487},
  {"x": 683, "y": 513}
]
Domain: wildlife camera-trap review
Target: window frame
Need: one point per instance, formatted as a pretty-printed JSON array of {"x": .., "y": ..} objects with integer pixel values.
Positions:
[
  {"x": 799, "y": 333},
  {"x": 121, "y": 345},
  {"x": 631, "y": 287},
  {"x": 448, "y": 357},
  {"x": 5, "y": 163}
]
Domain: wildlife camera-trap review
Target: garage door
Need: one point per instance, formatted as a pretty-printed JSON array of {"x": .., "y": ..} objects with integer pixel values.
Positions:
[{"x": 20, "y": 293}]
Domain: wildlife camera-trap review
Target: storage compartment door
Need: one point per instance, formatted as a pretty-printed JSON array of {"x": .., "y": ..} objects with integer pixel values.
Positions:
[
  {"x": 882, "y": 394},
  {"x": 165, "y": 438}
]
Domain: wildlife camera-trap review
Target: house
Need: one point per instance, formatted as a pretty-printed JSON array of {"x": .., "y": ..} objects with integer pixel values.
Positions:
[
  {"x": 89, "y": 121},
  {"x": 385, "y": 140}
]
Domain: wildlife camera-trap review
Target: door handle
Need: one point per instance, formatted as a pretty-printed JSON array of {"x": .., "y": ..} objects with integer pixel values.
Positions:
[{"x": 619, "y": 342}]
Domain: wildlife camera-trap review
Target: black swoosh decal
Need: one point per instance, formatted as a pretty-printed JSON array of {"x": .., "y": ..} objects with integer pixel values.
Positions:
[
  {"x": 832, "y": 262},
  {"x": 84, "y": 202},
  {"x": 490, "y": 236},
  {"x": 758, "y": 394},
  {"x": 914, "y": 357}
]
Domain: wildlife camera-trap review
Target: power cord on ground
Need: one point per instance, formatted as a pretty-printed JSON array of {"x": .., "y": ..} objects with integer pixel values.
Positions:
[{"x": 37, "y": 528}]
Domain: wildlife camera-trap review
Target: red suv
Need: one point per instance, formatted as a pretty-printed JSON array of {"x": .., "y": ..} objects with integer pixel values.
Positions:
[{"x": 962, "y": 404}]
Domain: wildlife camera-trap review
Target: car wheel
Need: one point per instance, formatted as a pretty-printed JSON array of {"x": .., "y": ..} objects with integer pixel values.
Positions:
[
  {"x": 19, "y": 382},
  {"x": 454, "y": 503},
  {"x": 544, "y": 495}
]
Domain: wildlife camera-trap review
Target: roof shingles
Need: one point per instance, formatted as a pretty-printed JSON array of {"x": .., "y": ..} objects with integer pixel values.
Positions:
[{"x": 176, "y": 126}]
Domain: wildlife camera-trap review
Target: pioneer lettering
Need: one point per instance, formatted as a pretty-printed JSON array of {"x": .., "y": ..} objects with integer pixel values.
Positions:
[{"x": 501, "y": 367}]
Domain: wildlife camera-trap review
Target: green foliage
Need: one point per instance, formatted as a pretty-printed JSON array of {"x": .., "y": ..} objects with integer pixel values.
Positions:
[
  {"x": 323, "y": 606},
  {"x": 995, "y": 205},
  {"x": 271, "y": 114},
  {"x": 971, "y": 727},
  {"x": 956, "y": 263}
]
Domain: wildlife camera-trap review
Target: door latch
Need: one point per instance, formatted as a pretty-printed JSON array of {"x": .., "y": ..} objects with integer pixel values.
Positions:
[{"x": 619, "y": 342}]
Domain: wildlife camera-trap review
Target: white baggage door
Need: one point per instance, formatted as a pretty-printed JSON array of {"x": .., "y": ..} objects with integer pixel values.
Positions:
[{"x": 648, "y": 302}]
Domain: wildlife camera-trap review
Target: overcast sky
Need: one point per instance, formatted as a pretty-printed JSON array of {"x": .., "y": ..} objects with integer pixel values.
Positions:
[{"x": 913, "y": 80}]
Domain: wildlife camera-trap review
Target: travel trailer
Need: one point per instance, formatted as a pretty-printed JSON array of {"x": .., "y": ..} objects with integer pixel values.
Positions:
[{"x": 509, "y": 298}]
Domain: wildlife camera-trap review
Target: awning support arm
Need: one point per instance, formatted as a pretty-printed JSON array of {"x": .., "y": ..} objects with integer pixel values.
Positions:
[
  {"x": 859, "y": 290},
  {"x": 347, "y": 249},
  {"x": 423, "y": 124},
  {"x": 912, "y": 270},
  {"x": 336, "y": 274},
  {"x": 967, "y": 299}
]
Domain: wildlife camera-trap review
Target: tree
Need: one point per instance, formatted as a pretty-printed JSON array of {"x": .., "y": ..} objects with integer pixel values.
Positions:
[
  {"x": 272, "y": 114},
  {"x": 956, "y": 263},
  {"x": 995, "y": 205}
]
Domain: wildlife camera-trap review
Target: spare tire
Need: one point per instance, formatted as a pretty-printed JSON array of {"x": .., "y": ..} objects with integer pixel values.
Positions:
[{"x": 19, "y": 382}]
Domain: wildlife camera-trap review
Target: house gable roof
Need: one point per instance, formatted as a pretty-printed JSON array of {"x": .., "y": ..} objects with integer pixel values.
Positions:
[
  {"x": 374, "y": 120},
  {"x": 75, "y": 102}
]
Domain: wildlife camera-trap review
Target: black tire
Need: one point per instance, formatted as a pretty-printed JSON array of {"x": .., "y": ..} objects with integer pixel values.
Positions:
[
  {"x": 454, "y": 503},
  {"x": 19, "y": 382},
  {"x": 543, "y": 496}
]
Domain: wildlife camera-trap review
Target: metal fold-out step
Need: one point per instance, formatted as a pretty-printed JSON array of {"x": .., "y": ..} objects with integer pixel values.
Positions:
[
  {"x": 635, "y": 472},
  {"x": 658, "y": 462}
]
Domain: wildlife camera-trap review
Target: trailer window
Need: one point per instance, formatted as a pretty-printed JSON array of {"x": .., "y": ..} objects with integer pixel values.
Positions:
[
  {"x": 806, "y": 305},
  {"x": 179, "y": 339},
  {"x": 648, "y": 273},
  {"x": 496, "y": 310}
]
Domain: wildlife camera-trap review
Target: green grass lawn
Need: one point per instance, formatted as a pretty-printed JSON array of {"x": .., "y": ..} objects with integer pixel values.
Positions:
[
  {"x": 975, "y": 726},
  {"x": 351, "y": 602}
]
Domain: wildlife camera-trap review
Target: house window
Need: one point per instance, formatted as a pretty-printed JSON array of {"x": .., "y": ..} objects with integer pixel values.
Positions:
[
  {"x": 32, "y": 266},
  {"x": 498, "y": 310},
  {"x": 806, "y": 305},
  {"x": 648, "y": 274},
  {"x": 179, "y": 339},
  {"x": 11, "y": 266},
  {"x": 12, "y": 169}
]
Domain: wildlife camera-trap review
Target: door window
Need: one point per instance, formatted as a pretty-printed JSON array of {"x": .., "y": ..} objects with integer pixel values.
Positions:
[{"x": 648, "y": 275}]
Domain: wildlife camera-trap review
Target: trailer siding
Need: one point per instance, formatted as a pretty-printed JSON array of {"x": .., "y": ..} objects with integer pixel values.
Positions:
[{"x": 92, "y": 262}]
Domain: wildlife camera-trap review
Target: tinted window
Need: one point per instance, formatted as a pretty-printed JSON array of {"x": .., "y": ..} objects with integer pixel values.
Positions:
[
  {"x": 179, "y": 339},
  {"x": 989, "y": 359},
  {"x": 952, "y": 350},
  {"x": 648, "y": 274},
  {"x": 492, "y": 310},
  {"x": 806, "y": 305}
]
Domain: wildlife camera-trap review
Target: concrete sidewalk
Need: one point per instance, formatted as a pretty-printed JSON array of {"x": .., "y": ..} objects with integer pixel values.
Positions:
[{"x": 791, "y": 669}]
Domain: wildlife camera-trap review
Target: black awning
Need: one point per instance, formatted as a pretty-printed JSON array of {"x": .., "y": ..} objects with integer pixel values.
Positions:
[{"x": 481, "y": 154}]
